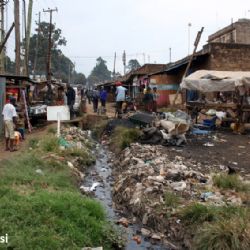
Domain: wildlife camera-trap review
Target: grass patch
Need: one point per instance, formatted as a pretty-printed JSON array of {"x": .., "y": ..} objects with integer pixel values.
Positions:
[
  {"x": 62, "y": 220},
  {"x": 226, "y": 181},
  {"x": 225, "y": 234},
  {"x": 85, "y": 158},
  {"x": 123, "y": 137},
  {"x": 50, "y": 144},
  {"x": 33, "y": 143},
  {"x": 44, "y": 209},
  {"x": 171, "y": 199},
  {"x": 215, "y": 227},
  {"x": 197, "y": 213},
  {"x": 99, "y": 128},
  {"x": 52, "y": 130}
]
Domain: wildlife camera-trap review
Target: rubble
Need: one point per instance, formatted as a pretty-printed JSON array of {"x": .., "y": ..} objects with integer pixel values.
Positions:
[
  {"x": 170, "y": 130},
  {"x": 145, "y": 173}
]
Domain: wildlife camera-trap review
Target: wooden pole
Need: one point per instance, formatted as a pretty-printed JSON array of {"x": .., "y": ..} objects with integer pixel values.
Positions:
[
  {"x": 196, "y": 43},
  {"x": 37, "y": 43},
  {"x": 27, "y": 36},
  {"x": 2, "y": 55},
  {"x": 17, "y": 35},
  {"x": 7, "y": 37},
  {"x": 49, "y": 45}
]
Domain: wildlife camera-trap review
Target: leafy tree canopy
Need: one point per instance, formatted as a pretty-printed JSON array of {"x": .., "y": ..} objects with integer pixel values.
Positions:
[
  {"x": 61, "y": 66},
  {"x": 100, "y": 72},
  {"x": 133, "y": 64}
]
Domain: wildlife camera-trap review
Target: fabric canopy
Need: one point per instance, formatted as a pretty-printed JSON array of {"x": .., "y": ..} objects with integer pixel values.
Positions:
[{"x": 216, "y": 81}]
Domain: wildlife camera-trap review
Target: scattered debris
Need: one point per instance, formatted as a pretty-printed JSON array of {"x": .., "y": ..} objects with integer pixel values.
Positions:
[
  {"x": 89, "y": 189},
  {"x": 137, "y": 239},
  {"x": 123, "y": 221},
  {"x": 39, "y": 171}
]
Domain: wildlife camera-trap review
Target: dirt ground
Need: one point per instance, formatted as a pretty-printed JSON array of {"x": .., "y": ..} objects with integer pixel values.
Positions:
[
  {"x": 227, "y": 149},
  {"x": 36, "y": 133}
]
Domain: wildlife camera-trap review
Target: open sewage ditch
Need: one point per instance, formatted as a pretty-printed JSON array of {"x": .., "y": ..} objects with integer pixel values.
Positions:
[{"x": 145, "y": 188}]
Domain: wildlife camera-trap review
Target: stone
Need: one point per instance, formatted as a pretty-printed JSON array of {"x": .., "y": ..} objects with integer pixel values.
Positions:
[
  {"x": 156, "y": 236},
  {"x": 156, "y": 178},
  {"x": 145, "y": 219},
  {"x": 179, "y": 186},
  {"x": 145, "y": 232}
]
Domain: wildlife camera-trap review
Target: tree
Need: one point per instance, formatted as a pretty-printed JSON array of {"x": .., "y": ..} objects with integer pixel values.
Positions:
[
  {"x": 9, "y": 65},
  {"x": 60, "y": 64},
  {"x": 100, "y": 72},
  {"x": 79, "y": 78},
  {"x": 133, "y": 64}
]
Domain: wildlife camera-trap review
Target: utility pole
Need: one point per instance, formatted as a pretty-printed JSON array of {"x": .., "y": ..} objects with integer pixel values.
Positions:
[
  {"x": 2, "y": 34},
  {"x": 114, "y": 65},
  {"x": 27, "y": 37},
  {"x": 50, "y": 11},
  {"x": 124, "y": 61},
  {"x": 17, "y": 35},
  {"x": 37, "y": 43},
  {"x": 170, "y": 54}
]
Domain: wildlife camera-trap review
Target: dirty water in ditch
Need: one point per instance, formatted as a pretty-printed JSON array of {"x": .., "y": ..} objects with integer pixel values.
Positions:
[{"x": 101, "y": 173}]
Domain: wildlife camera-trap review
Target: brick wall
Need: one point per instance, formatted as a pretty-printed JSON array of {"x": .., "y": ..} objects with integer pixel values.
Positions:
[{"x": 229, "y": 57}]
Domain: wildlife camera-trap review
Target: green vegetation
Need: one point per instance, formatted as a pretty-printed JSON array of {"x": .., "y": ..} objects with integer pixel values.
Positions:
[
  {"x": 123, "y": 137},
  {"x": 50, "y": 144},
  {"x": 52, "y": 130},
  {"x": 171, "y": 199},
  {"x": 226, "y": 181},
  {"x": 100, "y": 72},
  {"x": 218, "y": 227},
  {"x": 197, "y": 213},
  {"x": 41, "y": 207},
  {"x": 228, "y": 234},
  {"x": 99, "y": 128}
]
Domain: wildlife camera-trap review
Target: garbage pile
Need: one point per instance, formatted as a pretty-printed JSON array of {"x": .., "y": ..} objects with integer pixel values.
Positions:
[
  {"x": 74, "y": 137},
  {"x": 144, "y": 175},
  {"x": 78, "y": 144},
  {"x": 170, "y": 130}
]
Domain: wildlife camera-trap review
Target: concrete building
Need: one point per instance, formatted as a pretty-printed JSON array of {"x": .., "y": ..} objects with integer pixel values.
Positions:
[{"x": 238, "y": 32}]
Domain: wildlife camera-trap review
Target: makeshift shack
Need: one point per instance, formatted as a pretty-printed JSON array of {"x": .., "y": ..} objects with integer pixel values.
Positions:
[{"x": 219, "y": 91}]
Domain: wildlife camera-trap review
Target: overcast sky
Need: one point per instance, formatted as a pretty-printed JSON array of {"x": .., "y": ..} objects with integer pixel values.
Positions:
[{"x": 96, "y": 28}]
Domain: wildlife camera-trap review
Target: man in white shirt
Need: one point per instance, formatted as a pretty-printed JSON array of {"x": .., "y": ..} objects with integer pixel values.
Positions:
[
  {"x": 9, "y": 117},
  {"x": 120, "y": 97}
]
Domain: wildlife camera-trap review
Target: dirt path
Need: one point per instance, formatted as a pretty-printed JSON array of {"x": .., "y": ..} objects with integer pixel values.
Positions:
[
  {"x": 36, "y": 133},
  {"x": 110, "y": 107}
]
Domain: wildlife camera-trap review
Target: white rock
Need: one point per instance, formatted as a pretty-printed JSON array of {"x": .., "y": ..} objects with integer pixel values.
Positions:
[
  {"x": 179, "y": 186},
  {"x": 145, "y": 232}
]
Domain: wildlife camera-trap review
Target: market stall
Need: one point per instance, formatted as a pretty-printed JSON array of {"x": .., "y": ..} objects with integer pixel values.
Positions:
[{"x": 219, "y": 91}]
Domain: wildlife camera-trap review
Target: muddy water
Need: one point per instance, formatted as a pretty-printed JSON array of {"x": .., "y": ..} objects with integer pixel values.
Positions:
[{"x": 102, "y": 173}]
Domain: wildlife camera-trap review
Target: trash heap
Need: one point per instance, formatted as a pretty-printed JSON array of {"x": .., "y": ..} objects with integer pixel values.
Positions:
[
  {"x": 144, "y": 174},
  {"x": 169, "y": 130},
  {"x": 74, "y": 137},
  {"x": 78, "y": 146}
]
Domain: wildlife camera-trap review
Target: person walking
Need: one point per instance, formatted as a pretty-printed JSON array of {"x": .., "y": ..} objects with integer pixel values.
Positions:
[
  {"x": 120, "y": 98},
  {"x": 71, "y": 97},
  {"x": 155, "y": 98},
  {"x": 95, "y": 99},
  {"x": 9, "y": 117},
  {"x": 148, "y": 100},
  {"x": 89, "y": 94},
  {"x": 103, "y": 99}
]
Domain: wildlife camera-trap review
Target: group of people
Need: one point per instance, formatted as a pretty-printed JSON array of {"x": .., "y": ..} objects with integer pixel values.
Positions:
[{"x": 96, "y": 95}]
